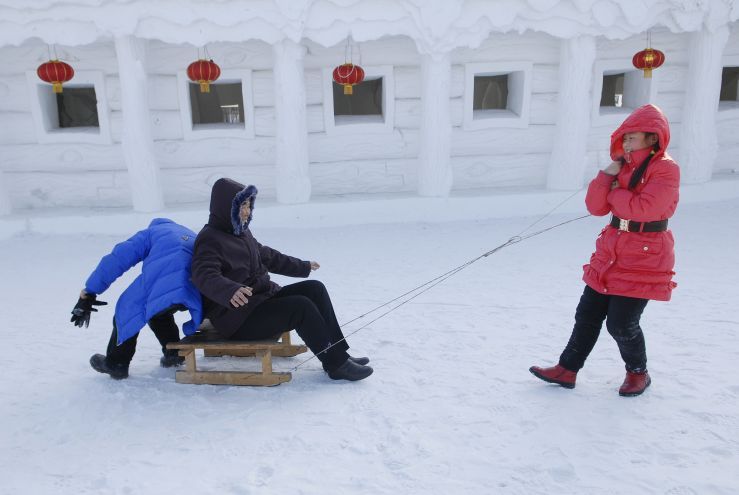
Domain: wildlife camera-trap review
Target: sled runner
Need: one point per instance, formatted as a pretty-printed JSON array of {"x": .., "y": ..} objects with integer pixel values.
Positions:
[{"x": 212, "y": 346}]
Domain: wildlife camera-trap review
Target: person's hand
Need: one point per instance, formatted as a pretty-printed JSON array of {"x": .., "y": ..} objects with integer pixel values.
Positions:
[
  {"x": 84, "y": 308},
  {"x": 314, "y": 266},
  {"x": 240, "y": 297},
  {"x": 613, "y": 169}
]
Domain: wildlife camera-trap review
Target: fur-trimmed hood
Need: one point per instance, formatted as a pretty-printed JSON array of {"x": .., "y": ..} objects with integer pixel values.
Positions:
[{"x": 226, "y": 198}]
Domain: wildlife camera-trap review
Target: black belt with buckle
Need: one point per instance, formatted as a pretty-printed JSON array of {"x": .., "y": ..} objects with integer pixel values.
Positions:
[{"x": 631, "y": 226}]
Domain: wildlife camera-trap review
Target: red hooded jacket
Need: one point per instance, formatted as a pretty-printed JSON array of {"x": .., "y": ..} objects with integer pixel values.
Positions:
[{"x": 636, "y": 264}]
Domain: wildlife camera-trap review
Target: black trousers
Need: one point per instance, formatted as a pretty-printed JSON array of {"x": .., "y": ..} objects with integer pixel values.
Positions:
[
  {"x": 306, "y": 307},
  {"x": 164, "y": 327},
  {"x": 622, "y": 315}
]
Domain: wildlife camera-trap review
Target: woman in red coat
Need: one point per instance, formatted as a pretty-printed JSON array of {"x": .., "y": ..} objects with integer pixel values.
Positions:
[{"x": 634, "y": 255}]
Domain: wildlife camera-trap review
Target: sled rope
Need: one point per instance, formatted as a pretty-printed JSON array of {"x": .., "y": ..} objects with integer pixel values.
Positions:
[{"x": 445, "y": 276}]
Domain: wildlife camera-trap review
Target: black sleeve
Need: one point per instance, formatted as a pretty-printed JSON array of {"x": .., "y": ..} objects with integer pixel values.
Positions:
[{"x": 282, "y": 264}]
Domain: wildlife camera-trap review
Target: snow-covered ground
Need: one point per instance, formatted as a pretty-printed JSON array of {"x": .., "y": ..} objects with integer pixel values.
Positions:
[{"x": 451, "y": 407}]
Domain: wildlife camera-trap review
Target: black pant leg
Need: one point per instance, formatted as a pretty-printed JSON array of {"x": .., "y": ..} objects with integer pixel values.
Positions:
[
  {"x": 316, "y": 291},
  {"x": 120, "y": 354},
  {"x": 165, "y": 329},
  {"x": 277, "y": 314},
  {"x": 624, "y": 314},
  {"x": 589, "y": 316}
]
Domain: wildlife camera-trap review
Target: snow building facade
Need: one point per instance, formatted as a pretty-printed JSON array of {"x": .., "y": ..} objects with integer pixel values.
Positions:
[{"x": 457, "y": 96}]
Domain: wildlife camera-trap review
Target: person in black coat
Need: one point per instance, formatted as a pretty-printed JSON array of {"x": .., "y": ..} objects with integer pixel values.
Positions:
[{"x": 231, "y": 270}]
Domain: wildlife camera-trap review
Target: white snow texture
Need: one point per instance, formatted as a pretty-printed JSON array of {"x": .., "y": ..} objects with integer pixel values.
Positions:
[{"x": 451, "y": 407}]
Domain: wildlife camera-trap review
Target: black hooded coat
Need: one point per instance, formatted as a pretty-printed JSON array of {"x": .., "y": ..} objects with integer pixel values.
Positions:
[{"x": 227, "y": 257}]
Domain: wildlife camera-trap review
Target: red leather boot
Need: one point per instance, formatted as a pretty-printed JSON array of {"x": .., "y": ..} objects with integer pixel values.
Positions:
[
  {"x": 635, "y": 383},
  {"x": 556, "y": 374}
]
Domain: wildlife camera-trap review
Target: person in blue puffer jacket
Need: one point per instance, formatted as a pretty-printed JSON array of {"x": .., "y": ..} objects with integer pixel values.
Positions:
[{"x": 162, "y": 289}]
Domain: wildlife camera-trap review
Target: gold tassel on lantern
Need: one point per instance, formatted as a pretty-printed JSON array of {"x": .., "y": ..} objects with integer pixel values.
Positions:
[{"x": 648, "y": 61}]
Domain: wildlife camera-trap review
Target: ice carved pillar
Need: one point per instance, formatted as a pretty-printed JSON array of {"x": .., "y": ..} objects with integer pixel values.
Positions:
[
  {"x": 5, "y": 207},
  {"x": 291, "y": 138},
  {"x": 698, "y": 145},
  {"x": 137, "y": 141},
  {"x": 434, "y": 166},
  {"x": 569, "y": 152}
]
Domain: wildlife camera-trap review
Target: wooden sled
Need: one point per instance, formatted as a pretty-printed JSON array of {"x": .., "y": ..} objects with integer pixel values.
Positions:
[{"x": 212, "y": 345}]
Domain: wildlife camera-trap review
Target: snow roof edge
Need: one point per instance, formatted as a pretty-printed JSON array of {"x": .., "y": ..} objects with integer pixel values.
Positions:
[{"x": 441, "y": 27}]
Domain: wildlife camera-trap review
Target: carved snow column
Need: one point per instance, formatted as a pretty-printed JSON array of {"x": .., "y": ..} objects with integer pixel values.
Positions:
[
  {"x": 291, "y": 138},
  {"x": 698, "y": 143},
  {"x": 5, "y": 207},
  {"x": 434, "y": 166},
  {"x": 568, "y": 159},
  {"x": 137, "y": 141}
]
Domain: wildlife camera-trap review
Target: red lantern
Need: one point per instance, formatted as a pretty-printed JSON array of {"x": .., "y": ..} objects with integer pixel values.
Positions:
[
  {"x": 647, "y": 60},
  {"x": 348, "y": 75},
  {"x": 203, "y": 72},
  {"x": 55, "y": 73}
]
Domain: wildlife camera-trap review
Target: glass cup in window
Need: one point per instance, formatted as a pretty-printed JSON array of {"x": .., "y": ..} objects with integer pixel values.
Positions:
[{"x": 230, "y": 114}]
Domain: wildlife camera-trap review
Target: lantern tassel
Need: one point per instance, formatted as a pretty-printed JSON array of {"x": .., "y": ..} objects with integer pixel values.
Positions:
[
  {"x": 204, "y": 87},
  {"x": 647, "y": 73},
  {"x": 56, "y": 87},
  {"x": 348, "y": 89}
]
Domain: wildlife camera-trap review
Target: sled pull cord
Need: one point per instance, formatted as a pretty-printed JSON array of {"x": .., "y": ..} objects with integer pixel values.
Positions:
[{"x": 441, "y": 278}]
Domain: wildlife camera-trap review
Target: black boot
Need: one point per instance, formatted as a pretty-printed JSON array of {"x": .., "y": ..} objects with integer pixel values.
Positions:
[
  {"x": 364, "y": 361},
  {"x": 171, "y": 359},
  {"x": 360, "y": 360},
  {"x": 100, "y": 364},
  {"x": 350, "y": 371}
]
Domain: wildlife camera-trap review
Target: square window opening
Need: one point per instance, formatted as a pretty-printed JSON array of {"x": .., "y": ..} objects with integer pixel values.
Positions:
[
  {"x": 490, "y": 92},
  {"x": 729, "y": 84},
  {"x": 77, "y": 107},
  {"x": 620, "y": 90},
  {"x": 223, "y": 105},
  {"x": 612, "y": 94},
  {"x": 496, "y": 95},
  {"x": 365, "y": 105},
  {"x": 79, "y": 114}
]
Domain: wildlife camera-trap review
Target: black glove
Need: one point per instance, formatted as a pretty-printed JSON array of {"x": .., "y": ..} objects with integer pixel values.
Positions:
[{"x": 83, "y": 309}]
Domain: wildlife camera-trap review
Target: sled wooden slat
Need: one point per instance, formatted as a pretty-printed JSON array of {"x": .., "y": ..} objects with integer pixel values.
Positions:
[
  {"x": 263, "y": 350},
  {"x": 284, "y": 348}
]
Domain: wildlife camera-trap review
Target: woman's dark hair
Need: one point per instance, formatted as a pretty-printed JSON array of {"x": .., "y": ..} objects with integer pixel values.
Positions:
[{"x": 647, "y": 135}]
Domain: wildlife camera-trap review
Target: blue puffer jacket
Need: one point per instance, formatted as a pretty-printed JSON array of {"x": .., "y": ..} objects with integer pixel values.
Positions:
[{"x": 166, "y": 249}]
